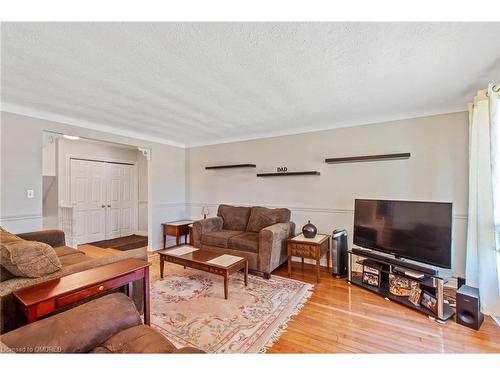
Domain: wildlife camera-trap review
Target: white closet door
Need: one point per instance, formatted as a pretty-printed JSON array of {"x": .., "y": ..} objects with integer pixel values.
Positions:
[
  {"x": 129, "y": 201},
  {"x": 122, "y": 201},
  {"x": 114, "y": 201},
  {"x": 88, "y": 195}
]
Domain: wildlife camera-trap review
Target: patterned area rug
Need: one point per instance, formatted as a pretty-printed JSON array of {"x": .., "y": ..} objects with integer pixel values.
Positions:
[{"x": 189, "y": 308}]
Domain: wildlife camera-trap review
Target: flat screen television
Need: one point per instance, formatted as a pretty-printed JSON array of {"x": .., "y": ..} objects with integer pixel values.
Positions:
[{"x": 420, "y": 231}]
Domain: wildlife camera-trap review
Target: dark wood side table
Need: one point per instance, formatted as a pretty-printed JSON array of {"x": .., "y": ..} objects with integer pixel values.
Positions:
[
  {"x": 50, "y": 296},
  {"x": 176, "y": 229},
  {"x": 190, "y": 227},
  {"x": 310, "y": 248}
]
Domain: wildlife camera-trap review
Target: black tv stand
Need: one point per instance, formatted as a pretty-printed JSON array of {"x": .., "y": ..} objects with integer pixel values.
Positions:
[
  {"x": 431, "y": 281},
  {"x": 395, "y": 261}
]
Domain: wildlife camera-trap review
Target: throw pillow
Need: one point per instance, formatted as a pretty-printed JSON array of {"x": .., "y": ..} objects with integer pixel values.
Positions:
[
  {"x": 27, "y": 258},
  {"x": 261, "y": 217}
]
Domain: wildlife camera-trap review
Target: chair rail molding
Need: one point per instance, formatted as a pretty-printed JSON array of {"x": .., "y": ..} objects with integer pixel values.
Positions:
[
  {"x": 22, "y": 223},
  {"x": 333, "y": 210}
]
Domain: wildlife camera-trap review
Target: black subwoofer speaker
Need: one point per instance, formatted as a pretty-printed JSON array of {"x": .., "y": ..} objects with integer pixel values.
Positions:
[
  {"x": 468, "y": 306},
  {"x": 460, "y": 282}
]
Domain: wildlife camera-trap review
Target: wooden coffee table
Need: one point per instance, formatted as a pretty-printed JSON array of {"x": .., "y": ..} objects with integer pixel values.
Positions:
[
  {"x": 205, "y": 260},
  {"x": 50, "y": 296}
]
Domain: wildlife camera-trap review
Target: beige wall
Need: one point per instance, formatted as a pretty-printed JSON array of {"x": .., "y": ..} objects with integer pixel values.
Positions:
[
  {"x": 21, "y": 169},
  {"x": 436, "y": 171},
  {"x": 180, "y": 186}
]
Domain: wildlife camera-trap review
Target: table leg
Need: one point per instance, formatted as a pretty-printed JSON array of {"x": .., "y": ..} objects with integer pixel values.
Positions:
[
  {"x": 289, "y": 266},
  {"x": 225, "y": 286},
  {"x": 302, "y": 262},
  {"x": 146, "y": 296},
  {"x": 185, "y": 239},
  {"x": 317, "y": 270},
  {"x": 162, "y": 265},
  {"x": 31, "y": 314},
  {"x": 177, "y": 242},
  {"x": 328, "y": 259},
  {"x": 164, "y": 241},
  {"x": 246, "y": 273},
  {"x": 130, "y": 290}
]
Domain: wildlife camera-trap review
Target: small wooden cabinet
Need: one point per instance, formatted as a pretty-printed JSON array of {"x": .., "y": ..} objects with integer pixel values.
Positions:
[{"x": 309, "y": 248}]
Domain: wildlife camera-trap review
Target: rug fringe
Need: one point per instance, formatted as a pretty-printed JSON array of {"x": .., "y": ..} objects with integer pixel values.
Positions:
[{"x": 283, "y": 327}]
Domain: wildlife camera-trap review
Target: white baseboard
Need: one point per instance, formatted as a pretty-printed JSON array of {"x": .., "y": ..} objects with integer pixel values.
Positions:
[{"x": 496, "y": 319}]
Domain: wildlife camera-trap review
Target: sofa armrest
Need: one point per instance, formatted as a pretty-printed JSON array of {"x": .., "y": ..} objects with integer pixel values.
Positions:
[
  {"x": 200, "y": 227},
  {"x": 52, "y": 237},
  {"x": 77, "y": 330},
  {"x": 272, "y": 245}
]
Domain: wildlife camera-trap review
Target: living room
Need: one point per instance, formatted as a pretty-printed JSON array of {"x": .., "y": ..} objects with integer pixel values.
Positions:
[{"x": 249, "y": 188}]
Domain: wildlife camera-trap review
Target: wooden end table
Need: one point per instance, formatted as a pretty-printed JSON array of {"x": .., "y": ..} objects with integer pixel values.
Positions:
[
  {"x": 50, "y": 296},
  {"x": 205, "y": 260},
  {"x": 176, "y": 229},
  {"x": 310, "y": 248}
]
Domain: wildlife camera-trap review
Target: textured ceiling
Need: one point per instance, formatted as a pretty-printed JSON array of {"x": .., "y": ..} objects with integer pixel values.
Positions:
[{"x": 200, "y": 83}]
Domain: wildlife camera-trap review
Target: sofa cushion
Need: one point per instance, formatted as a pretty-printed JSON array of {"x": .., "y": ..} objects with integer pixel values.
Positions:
[
  {"x": 261, "y": 217},
  {"x": 234, "y": 218},
  {"x": 138, "y": 339},
  {"x": 27, "y": 258},
  {"x": 219, "y": 239},
  {"x": 248, "y": 241},
  {"x": 62, "y": 251},
  {"x": 69, "y": 256},
  {"x": 69, "y": 260}
]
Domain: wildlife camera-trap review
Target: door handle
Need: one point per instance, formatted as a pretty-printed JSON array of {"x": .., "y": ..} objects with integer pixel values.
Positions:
[
  {"x": 103, "y": 206},
  {"x": 109, "y": 205}
]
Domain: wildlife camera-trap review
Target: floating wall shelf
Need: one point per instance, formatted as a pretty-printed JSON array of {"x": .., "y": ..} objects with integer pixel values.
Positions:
[
  {"x": 279, "y": 174},
  {"x": 231, "y": 166},
  {"x": 355, "y": 159}
]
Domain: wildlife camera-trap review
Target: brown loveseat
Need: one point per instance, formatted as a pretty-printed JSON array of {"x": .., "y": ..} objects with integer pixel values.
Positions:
[
  {"x": 109, "y": 324},
  {"x": 256, "y": 233},
  {"x": 72, "y": 261}
]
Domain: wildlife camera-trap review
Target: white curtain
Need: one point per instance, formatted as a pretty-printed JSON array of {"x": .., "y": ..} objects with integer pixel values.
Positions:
[{"x": 483, "y": 229}]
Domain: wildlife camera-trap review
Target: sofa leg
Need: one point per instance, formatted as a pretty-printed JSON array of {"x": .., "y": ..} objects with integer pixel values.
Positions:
[{"x": 267, "y": 275}]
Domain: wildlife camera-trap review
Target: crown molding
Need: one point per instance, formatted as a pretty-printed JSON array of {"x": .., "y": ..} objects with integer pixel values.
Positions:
[
  {"x": 349, "y": 124},
  {"x": 49, "y": 116}
]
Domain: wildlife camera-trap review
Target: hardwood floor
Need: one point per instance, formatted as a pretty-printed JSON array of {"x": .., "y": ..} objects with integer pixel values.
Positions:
[{"x": 342, "y": 318}]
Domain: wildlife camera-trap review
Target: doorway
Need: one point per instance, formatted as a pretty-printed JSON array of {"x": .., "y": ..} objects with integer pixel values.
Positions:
[
  {"x": 104, "y": 197},
  {"x": 95, "y": 190}
]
